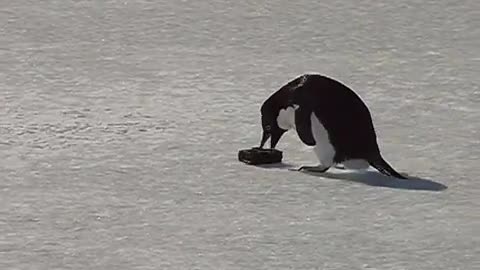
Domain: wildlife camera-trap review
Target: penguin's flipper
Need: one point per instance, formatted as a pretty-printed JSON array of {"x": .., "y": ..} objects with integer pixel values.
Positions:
[
  {"x": 303, "y": 126},
  {"x": 382, "y": 166}
]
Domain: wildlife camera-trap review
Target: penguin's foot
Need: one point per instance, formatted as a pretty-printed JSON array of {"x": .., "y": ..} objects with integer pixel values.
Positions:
[
  {"x": 340, "y": 166},
  {"x": 314, "y": 169}
]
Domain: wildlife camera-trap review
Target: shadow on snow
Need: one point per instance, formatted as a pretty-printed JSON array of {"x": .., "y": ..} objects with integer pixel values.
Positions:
[{"x": 371, "y": 178}]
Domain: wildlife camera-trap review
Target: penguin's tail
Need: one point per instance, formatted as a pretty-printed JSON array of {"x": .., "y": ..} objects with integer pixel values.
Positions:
[{"x": 382, "y": 166}]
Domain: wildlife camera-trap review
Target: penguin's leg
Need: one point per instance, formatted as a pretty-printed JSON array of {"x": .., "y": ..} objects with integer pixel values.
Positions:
[
  {"x": 325, "y": 156},
  {"x": 322, "y": 148}
]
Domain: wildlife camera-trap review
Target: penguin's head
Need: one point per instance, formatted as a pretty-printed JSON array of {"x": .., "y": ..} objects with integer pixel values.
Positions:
[
  {"x": 278, "y": 117},
  {"x": 278, "y": 111},
  {"x": 271, "y": 129}
]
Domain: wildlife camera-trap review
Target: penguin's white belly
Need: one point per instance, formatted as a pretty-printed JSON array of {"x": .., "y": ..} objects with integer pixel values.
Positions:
[{"x": 323, "y": 148}]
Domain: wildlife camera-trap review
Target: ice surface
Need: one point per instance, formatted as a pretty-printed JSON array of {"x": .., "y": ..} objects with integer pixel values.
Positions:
[{"x": 120, "y": 123}]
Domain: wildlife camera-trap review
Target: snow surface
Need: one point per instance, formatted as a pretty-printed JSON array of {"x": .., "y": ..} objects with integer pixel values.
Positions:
[{"x": 120, "y": 123}]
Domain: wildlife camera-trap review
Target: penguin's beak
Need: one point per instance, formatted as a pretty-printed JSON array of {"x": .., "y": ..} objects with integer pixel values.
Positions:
[
  {"x": 265, "y": 137},
  {"x": 274, "y": 137}
]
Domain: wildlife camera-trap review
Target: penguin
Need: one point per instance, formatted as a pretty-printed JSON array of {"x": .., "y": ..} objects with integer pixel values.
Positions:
[{"x": 330, "y": 117}]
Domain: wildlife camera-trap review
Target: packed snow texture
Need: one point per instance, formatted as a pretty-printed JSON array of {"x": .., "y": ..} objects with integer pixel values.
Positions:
[{"x": 120, "y": 124}]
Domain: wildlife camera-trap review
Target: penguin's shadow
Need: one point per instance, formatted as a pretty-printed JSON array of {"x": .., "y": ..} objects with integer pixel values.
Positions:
[
  {"x": 279, "y": 165},
  {"x": 374, "y": 178},
  {"x": 370, "y": 178}
]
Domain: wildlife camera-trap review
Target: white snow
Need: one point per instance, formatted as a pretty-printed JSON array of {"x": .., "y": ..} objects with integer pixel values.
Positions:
[
  {"x": 286, "y": 118},
  {"x": 120, "y": 123}
]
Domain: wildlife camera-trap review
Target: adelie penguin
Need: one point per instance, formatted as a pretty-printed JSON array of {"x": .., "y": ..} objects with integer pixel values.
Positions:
[{"x": 328, "y": 116}]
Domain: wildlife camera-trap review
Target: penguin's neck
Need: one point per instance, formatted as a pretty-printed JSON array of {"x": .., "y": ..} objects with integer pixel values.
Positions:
[{"x": 286, "y": 118}]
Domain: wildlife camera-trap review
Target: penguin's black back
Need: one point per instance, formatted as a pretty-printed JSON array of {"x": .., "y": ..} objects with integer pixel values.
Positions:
[{"x": 343, "y": 114}]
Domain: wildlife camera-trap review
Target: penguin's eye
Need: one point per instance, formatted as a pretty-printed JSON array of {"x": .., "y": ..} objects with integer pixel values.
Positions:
[{"x": 268, "y": 127}]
